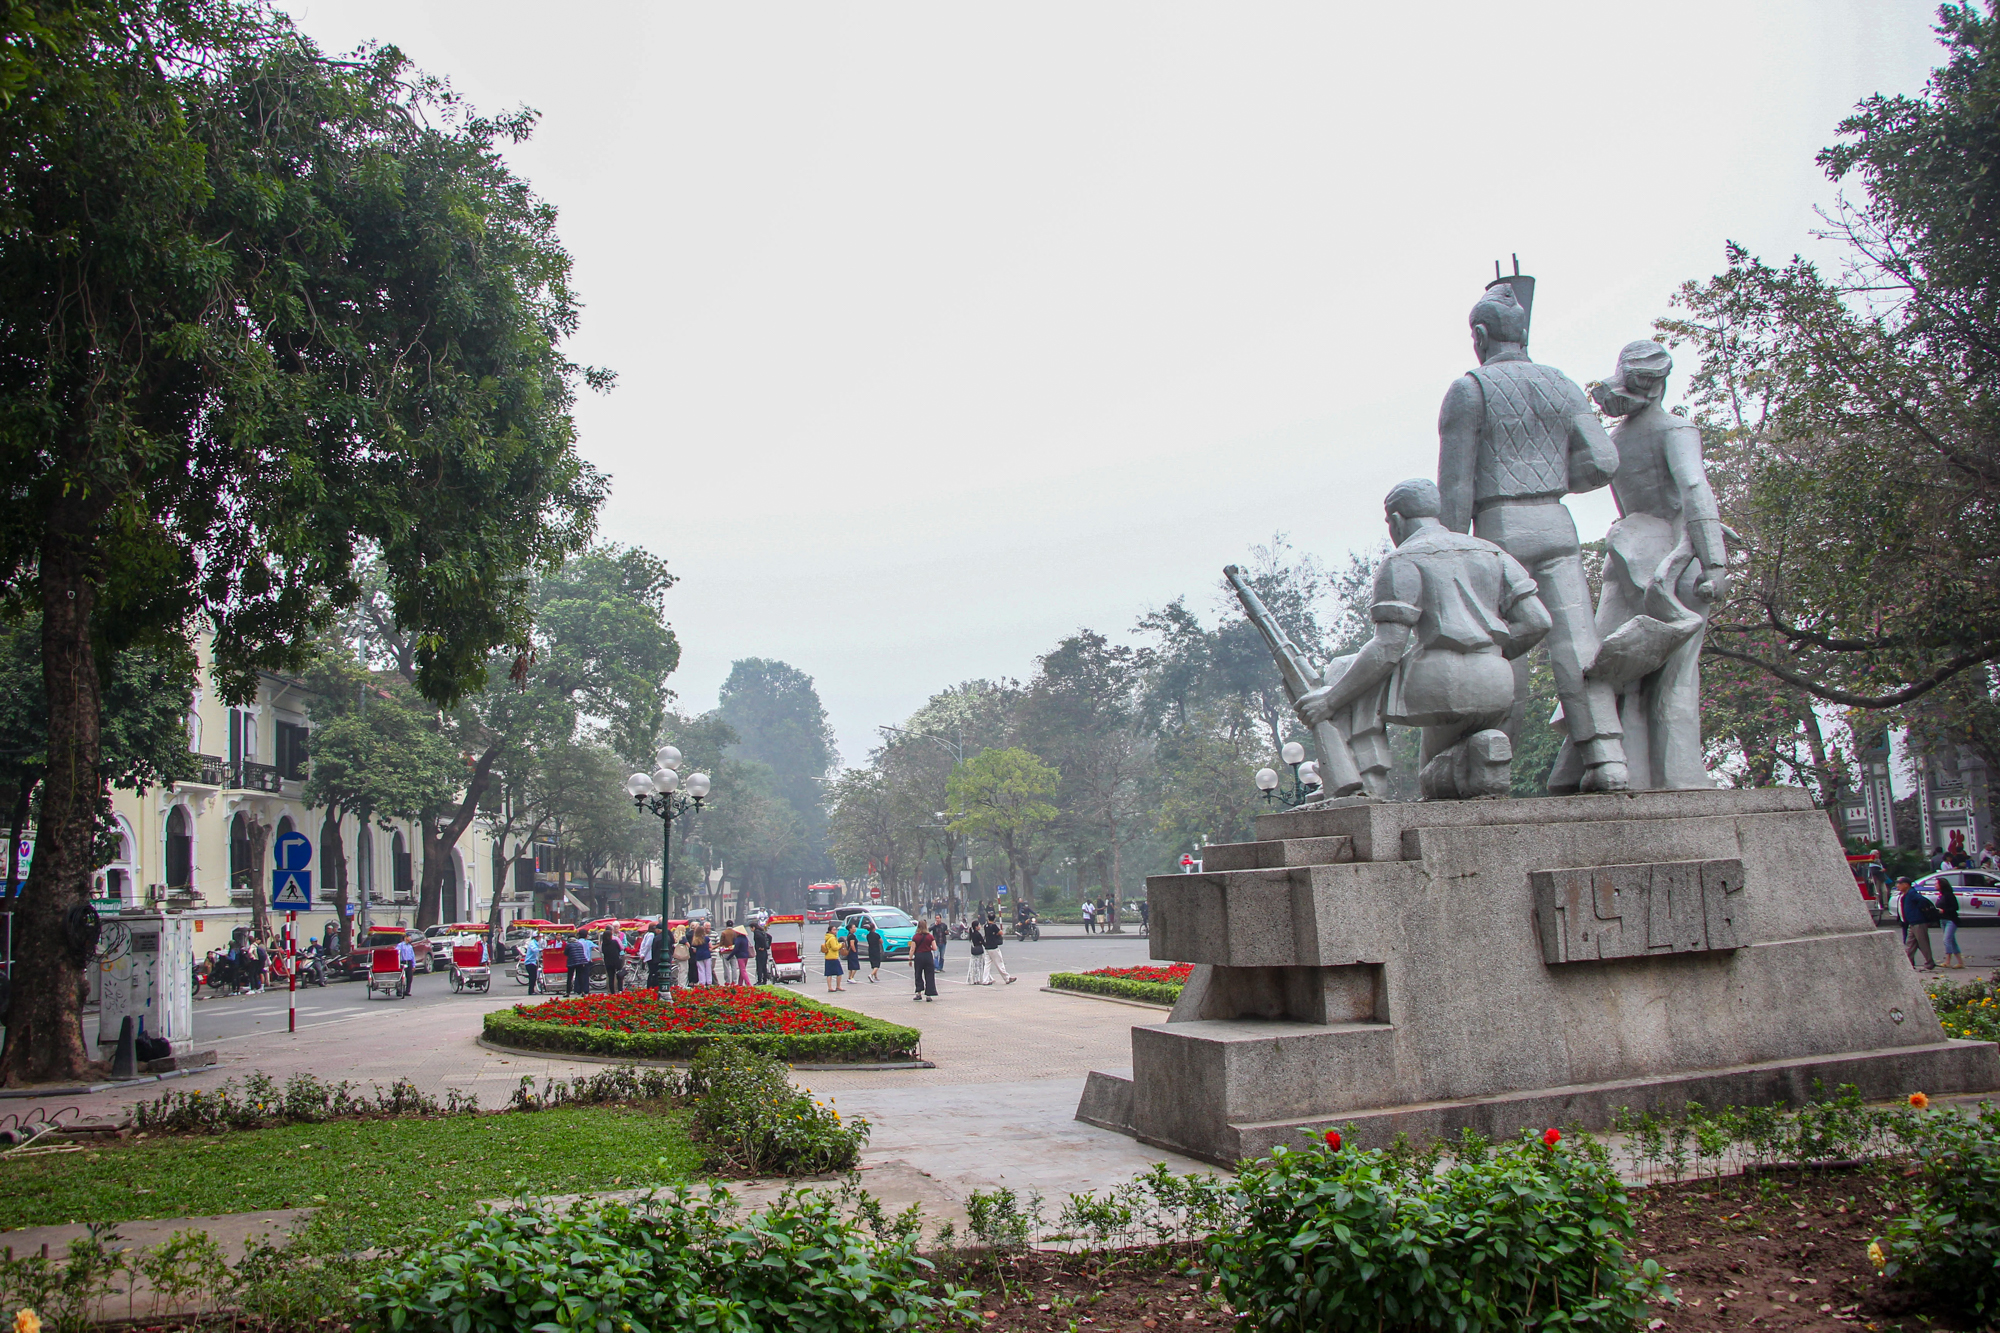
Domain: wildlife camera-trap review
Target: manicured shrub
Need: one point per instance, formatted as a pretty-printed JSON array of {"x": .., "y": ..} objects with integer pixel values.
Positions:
[
  {"x": 1533, "y": 1236},
  {"x": 680, "y": 1260},
  {"x": 1949, "y": 1241},
  {"x": 749, "y": 1118},
  {"x": 1155, "y": 985},
  {"x": 639, "y": 1025}
]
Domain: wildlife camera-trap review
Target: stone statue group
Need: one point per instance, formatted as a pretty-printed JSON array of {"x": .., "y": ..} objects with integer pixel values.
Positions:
[{"x": 1487, "y": 565}]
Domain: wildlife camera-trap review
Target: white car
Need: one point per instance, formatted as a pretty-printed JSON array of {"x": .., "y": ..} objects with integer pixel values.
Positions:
[{"x": 1978, "y": 893}]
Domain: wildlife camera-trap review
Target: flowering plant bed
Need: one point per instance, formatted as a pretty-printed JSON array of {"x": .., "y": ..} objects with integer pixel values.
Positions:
[
  {"x": 1152, "y": 985},
  {"x": 1967, "y": 1009},
  {"x": 641, "y": 1024}
]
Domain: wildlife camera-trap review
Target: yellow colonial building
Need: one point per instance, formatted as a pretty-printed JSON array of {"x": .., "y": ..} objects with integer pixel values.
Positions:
[{"x": 190, "y": 847}]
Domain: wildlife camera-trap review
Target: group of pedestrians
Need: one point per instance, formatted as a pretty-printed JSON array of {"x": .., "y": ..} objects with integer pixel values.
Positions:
[
  {"x": 843, "y": 952},
  {"x": 1917, "y": 914},
  {"x": 691, "y": 954}
]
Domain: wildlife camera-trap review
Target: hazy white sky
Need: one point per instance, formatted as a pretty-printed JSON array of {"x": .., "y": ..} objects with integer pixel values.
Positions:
[{"x": 943, "y": 329}]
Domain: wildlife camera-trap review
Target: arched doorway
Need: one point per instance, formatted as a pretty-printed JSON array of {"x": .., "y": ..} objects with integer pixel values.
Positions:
[
  {"x": 180, "y": 851},
  {"x": 239, "y": 855},
  {"x": 448, "y": 894},
  {"x": 119, "y": 877},
  {"x": 399, "y": 866}
]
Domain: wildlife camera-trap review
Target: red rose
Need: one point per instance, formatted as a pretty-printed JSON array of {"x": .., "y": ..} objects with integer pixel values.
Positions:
[
  {"x": 1333, "y": 1139},
  {"x": 1551, "y": 1137}
]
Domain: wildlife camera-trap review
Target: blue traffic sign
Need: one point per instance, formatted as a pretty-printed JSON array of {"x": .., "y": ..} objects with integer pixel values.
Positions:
[
  {"x": 291, "y": 876},
  {"x": 1002, "y": 889}
]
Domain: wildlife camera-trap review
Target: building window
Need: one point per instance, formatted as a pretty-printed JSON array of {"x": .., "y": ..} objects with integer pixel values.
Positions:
[
  {"x": 180, "y": 850},
  {"x": 364, "y": 862},
  {"x": 292, "y": 751},
  {"x": 239, "y": 854}
]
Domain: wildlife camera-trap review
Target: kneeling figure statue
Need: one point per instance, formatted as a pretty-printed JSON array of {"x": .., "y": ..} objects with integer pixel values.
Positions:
[{"x": 1451, "y": 612}]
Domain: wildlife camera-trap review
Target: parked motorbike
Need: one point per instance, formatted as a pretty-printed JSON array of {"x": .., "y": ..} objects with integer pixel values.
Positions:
[
  {"x": 958, "y": 930},
  {"x": 312, "y": 971}
]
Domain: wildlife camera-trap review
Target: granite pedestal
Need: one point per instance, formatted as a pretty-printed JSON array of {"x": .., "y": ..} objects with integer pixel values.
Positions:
[{"x": 1423, "y": 967}]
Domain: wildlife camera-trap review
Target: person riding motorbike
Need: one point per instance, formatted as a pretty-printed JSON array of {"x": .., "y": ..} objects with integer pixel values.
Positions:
[{"x": 1027, "y": 925}]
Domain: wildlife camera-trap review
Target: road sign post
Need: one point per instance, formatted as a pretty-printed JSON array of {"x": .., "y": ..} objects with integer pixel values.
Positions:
[{"x": 291, "y": 873}]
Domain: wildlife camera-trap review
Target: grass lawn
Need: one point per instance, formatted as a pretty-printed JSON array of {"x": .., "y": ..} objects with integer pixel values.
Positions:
[{"x": 373, "y": 1181}]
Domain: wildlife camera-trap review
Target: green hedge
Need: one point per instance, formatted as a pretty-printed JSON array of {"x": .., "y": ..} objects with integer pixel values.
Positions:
[
  {"x": 1153, "y": 992},
  {"x": 872, "y": 1040}
]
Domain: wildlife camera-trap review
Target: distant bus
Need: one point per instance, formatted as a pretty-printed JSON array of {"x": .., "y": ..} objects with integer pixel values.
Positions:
[{"x": 821, "y": 899}]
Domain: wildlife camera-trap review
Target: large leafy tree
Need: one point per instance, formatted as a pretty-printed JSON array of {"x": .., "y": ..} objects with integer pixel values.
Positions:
[
  {"x": 1854, "y": 418},
  {"x": 597, "y": 657},
  {"x": 775, "y": 711},
  {"x": 1007, "y": 796},
  {"x": 374, "y": 755},
  {"x": 262, "y": 315}
]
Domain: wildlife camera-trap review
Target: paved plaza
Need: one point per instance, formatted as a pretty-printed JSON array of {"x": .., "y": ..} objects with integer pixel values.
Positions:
[{"x": 997, "y": 1109}]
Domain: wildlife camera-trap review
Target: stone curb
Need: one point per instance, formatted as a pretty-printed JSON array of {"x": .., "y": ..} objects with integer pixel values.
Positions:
[
  {"x": 1111, "y": 999},
  {"x": 80, "y": 1089},
  {"x": 678, "y": 1064}
]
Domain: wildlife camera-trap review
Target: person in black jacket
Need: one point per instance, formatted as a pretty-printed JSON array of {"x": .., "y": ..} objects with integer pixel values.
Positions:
[
  {"x": 994, "y": 958},
  {"x": 760, "y": 939},
  {"x": 613, "y": 948},
  {"x": 874, "y": 952},
  {"x": 1916, "y": 913}
]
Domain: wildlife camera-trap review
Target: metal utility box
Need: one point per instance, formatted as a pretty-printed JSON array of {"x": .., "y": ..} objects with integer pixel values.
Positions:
[{"x": 146, "y": 970}]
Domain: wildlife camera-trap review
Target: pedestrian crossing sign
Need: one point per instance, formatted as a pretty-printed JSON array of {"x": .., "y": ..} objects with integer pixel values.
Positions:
[{"x": 291, "y": 890}]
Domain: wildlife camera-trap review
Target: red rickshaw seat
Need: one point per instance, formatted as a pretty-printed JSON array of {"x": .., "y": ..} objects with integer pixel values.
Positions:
[
  {"x": 384, "y": 961},
  {"x": 465, "y": 955},
  {"x": 555, "y": 963},
  {"x": 785, "y": 951}
]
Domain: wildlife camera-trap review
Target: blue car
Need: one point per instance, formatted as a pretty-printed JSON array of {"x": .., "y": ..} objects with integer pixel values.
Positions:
[{"x": 894, "y": 923}]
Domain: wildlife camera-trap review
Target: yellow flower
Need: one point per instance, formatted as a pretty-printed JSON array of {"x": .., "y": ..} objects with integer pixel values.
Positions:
[
  {"x": 27, "y": 1321},
  {"x": 1875, "y": 1255},
  {"x": 1918, "y": 1100}
]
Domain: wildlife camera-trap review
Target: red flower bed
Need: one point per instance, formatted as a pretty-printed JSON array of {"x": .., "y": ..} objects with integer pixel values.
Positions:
[
  {"x": 704, "y": 1009},
  {"x": 1174, "y": 974}
]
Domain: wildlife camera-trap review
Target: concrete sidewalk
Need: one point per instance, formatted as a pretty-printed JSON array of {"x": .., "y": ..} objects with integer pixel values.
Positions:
[{"x": 997, "y": 1111}]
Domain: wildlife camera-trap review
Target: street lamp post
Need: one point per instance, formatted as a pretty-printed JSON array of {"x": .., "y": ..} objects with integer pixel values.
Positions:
[
  {"x": 1305, "y": 778},
  {"x": 659, "y": 794}
]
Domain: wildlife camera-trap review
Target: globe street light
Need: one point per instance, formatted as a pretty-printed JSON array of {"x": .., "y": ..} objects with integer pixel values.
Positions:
[
  {"x": 1305, "y": 777},
  {"x": 659, "y": 794}
]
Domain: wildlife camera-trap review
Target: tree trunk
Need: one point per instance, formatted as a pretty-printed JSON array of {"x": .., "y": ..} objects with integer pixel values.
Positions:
[
  {"x": 1829, "y": 798},
  {"x": 1117, "y": 873},
  {"x": 333, "y": 861},
  {"x": 45, "y": 1014},
  {"x": 440, "y": 839},
  {"x": 260, "y": 901}
]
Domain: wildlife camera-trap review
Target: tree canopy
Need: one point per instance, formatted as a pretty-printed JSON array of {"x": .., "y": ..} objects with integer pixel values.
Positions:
[{"x": 264, "y": 316}]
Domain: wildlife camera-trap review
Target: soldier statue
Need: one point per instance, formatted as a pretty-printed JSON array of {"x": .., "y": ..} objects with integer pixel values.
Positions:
[
  {"x": 1450, "y": 611},
  {"x": 1663, "y": 574},
  {"x": 1514, "y": 438}
]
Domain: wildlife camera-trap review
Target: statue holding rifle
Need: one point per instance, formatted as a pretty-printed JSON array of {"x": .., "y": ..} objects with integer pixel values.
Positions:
[{"x": 1451, "y": 613}]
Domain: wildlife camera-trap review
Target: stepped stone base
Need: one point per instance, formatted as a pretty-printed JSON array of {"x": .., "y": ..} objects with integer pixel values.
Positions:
[{"x": 1506, "y": 965}]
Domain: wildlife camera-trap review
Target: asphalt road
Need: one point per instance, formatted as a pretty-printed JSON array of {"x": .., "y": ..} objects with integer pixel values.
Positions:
[{"x": 234, "y": 1017}]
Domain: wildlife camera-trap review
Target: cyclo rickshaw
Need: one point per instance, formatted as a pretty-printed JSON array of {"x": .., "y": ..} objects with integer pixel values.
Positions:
[
  {"x": 385, "y": 973},
  {"x": 469, "y": 969},
  {"x": 787, "y": 955}
]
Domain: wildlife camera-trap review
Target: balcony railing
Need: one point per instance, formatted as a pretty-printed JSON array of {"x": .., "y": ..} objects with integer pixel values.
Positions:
[
  {"x": 259, "y": 777},
  {"x": 245, "y": 774}
]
